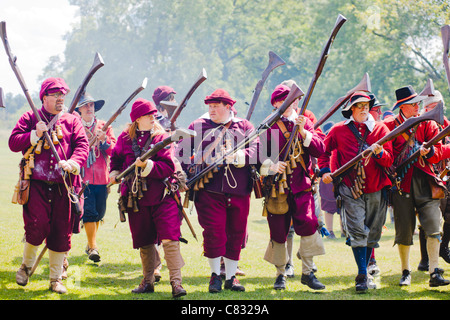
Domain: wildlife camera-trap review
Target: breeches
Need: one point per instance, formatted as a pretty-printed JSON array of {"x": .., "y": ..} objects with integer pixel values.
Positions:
[
  {"x": 365, "y": 217},
  {"x": 152, "y": 224},
  {"x": 95, "y": 197},
  {"x": 418, "y": 201},
  {"x": 48, "y": 216},
  {"x": 223, "y": 218},
  {"x": 301, "y": 213}
]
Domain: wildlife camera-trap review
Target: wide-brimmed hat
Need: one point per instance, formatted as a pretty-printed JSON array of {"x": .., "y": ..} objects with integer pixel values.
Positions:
[
  {"x": 53, "y": 85},
  {"x": 406, "y": 95},
  {"x": 87, "y": 98},
  {"x": 376, "y": 103},
  {"x": 358, "y": 96},
  {"x": 141, "y": 107},
  {"x": 162, "y": 93}
]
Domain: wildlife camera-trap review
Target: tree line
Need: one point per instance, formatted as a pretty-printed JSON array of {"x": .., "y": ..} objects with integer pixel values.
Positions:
[{"x": 169, "y": 42}]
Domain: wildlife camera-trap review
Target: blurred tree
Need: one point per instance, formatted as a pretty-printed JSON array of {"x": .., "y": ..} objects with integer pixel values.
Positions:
[{"x": 397, "y": 43}]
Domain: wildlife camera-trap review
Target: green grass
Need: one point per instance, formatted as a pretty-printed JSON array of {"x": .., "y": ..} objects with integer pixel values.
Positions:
[{"x": 120, "y": 269}]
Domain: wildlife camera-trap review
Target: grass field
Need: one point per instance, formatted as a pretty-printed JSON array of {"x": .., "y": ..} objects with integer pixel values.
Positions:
[{"x": 120, "y": 269}]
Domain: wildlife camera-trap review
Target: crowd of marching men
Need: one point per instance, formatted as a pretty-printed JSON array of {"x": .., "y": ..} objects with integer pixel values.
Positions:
[{"x": 291, "y": 167}]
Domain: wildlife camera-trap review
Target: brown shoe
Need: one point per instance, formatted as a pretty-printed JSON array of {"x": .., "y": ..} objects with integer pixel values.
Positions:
[
  {"x": 144, "y": 287},
  {"x": 177, "y": 289},
  {"x": 57, "y": 286},
  {"x": 22, "y": 275}
]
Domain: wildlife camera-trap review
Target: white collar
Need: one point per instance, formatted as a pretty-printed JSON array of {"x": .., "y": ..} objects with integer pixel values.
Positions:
[
  {"x": 292, "y": 116},
  {"x": 370, "y": 122},
  {"x": 230, "y": 118},
  {"x": 88, "y": 124}
]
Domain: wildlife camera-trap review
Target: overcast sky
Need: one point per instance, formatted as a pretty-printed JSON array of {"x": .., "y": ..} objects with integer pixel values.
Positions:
[{"x": 35, "y": 29}]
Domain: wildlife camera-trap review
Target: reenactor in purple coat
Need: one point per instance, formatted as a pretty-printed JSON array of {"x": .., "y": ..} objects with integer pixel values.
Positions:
[
  {"x": 48, "y": 215},
  {"x": 153, "y": 215},
  {"x": 223, "y": 202},
  {"x": 297, "y": 190}
]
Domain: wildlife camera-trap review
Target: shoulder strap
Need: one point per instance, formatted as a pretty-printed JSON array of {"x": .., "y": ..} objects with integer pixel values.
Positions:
[{"x": 212, "y": 146}]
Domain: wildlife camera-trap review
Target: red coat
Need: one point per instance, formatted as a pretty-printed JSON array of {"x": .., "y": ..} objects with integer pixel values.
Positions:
[
  {"x": 163, "y": 166},
  {"x": 298, "y": 180},
  {"x": 426, "y": 130},
  {"x": 341, "y": 146},
  {"x": 445, "y": 147},
  {"x": 74, "y": 145},
  {"x": 98, "y": 172}
]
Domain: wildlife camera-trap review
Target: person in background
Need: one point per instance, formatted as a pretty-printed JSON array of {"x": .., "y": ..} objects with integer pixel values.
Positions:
[{"x": 95, "y": 171}]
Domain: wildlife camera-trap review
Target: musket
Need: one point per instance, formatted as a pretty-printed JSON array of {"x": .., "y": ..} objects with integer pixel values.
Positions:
[
  {"x": 119, "y": 111},
  {"x": 16, "y": 70},
  {"x": 323, "y": 58},
  {"x": 445, "y": 33},
  {"x": 174, "y": 116},
  {"x": 437, "y": 114},
  {"x": 428, "y": 90},
  {"x": 180, "y": 206},
  {"x": 294, "y": 94},
  {"x": 363, "y": 85},
  {"x": 175, "y": 137},
  {"x": 441, "y": 135},
  {"x": 2, "y": 99},
  {"x": 97, "y": 64},
  {"x": 274, "y": 62}
]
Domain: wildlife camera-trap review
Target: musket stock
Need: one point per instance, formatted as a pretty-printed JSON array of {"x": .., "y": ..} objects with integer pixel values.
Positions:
[
  {"x": 202, "y": 77},
  {"x": 178, "y": 135},
  {"x": 428, "y": 90},
  {"x": 445, "y": 33},
  {"x": 119, "y": 111},
  {"x": 169, "y": 106},
  {"x": 97, "y": 64},
  {"x": 323, "y": 58},
  {"x": 274, "y": 62},
  {"x": 437, "y": 114},
  {"x": 363, "y": 85}
]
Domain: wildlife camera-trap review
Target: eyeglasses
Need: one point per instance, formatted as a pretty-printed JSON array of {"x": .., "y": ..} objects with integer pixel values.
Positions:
[
  {"x": 362, "y": 106},
  {"x": 57, "y": 95}
]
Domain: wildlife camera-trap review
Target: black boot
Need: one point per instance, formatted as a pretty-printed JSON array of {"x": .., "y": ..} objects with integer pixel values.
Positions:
[
  {"x": 423, "y": 264},
  {"x": 311, "y": 281},
  {"x": 361, "y": 283},
  {"x": 280, "y": 282},
  {"x": 436, "y": 278}
]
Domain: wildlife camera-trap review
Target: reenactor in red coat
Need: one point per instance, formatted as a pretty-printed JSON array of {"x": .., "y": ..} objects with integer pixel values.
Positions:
[
  {"x": 223, "y": 203},
  {"x": 414, "y": 193},
  {"x": 364, "y": 188},
  {"x": 49, "y": 215}
]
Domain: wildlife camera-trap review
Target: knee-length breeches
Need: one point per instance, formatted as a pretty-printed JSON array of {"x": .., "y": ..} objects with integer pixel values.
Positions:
[
  {"x": 47, "y": 216},
  {"x": 223, "y": 218},
  {"x": 301, "y": 213},
  {"x": 155, "y": 223}
]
